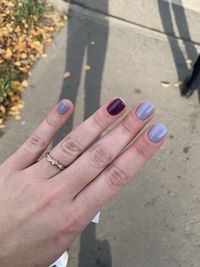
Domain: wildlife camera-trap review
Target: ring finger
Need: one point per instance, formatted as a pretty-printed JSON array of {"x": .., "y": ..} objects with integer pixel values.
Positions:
[{"x": 74, "y": 143}]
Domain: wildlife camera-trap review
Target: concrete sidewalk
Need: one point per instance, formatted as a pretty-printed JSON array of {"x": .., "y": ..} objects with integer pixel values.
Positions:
[
  {"x": 146, "y": 14},
  {"x": 155, "y": 221}
]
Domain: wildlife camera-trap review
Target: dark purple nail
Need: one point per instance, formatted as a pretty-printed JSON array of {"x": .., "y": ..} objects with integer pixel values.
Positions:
[{"x": 116, "y": 107}]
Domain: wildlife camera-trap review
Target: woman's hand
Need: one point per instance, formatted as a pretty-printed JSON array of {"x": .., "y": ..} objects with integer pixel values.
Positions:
[{"x": 43, "y": 209}]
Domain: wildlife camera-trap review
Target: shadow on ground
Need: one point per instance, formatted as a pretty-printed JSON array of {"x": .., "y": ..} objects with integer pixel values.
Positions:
[
  {"x": 86, "y": 46},
  {"x": 191, "y": 80}
]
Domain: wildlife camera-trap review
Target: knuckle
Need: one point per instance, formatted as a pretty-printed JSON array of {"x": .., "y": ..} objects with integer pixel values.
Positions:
[
  {"x": 127, "y": 127},
  {"x": 70, "y": 146},
  {"x": 116, "y": 178},
  {"x": 142, "y": 150},
  {"x": 100, "y": 156},
  {"x": 50, "y": 121},
  {"x": 98, "y": 120},
  {"x": 37, "y": 141},
  {"x": 74, "y": 225},
  {"x": 49, "y": 198}
]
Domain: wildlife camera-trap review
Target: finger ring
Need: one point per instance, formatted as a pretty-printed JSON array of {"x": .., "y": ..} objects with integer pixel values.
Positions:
[{"x": 53, "y": 161}]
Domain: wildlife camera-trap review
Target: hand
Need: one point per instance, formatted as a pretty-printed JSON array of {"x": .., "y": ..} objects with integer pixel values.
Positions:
[{"x": 43, "y": 209}]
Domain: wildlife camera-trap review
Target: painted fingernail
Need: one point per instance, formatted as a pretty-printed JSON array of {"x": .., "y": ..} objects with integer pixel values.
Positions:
[
  {"x": 63, "y": 107},
  {"x": 157, "y": 133},
  {"x": 145, "y": 110},
  {"x": 116, "y": 107}
]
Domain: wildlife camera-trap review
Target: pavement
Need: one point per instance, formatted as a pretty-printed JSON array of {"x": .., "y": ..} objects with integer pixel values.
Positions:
[{"x": 155, "y": 221}]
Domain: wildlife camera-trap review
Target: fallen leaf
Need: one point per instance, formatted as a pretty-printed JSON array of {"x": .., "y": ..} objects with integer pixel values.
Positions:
[
  {"x": 67, "y": 74},
  {"x": 17, "y": 63},
  {"x": 24, "y": 56},
  {"x": 44, "y": 55},
  {"x": 165, "y": 84},
  {"x": 87, "y": 67},
  {"x": 18, "y": 117},
  {"x": 8, "y": 54},
  {"x": 25, "y": 83},
  {"x": 189, "y": 61},
  {"x": 177, "y": 84},
  {"x": 37, "y": 46},
  {"x": 22, "y": 42},
  {"x": 16, "y": 85},
  {"x": 23, "y": 69}
]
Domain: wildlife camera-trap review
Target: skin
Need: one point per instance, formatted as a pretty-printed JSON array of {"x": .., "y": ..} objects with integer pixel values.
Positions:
[{"x": 43, "y": 209}]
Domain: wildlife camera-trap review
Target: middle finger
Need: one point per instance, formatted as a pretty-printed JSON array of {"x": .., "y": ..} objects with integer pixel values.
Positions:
[
  {"x": 74, "y": 143},
  {"x": 103, "y": 152}
]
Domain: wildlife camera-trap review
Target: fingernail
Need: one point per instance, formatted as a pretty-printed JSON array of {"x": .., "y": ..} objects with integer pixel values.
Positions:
[
  {"x": 116, "y": 107},
  {"x": 157, "y": 133},
  {"x": 145, "y": 110},
  {"x": 62, "y": 107}
]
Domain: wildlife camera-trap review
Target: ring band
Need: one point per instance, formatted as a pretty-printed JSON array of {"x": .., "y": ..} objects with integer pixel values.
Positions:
[{"x": 53, "y": 161}]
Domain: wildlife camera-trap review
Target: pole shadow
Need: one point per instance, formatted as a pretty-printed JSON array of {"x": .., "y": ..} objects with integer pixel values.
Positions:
[
  {"x": 190, "y": 78},
  {"x": 87, "y": 40}
]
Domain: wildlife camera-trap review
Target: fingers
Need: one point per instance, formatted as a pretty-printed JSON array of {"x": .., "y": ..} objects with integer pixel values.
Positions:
[
  {"x": 36, "y": 144},
  {"x": 120, "y": 172},
  {"x": 103, "y": 152},
  {"x": 78, "y": 139}
]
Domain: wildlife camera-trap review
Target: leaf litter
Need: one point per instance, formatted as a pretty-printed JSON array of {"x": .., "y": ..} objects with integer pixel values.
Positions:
[{"x": 26, "y": 28}]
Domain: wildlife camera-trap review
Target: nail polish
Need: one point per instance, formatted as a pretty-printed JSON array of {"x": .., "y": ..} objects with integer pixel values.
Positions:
[
  {"x": 145, "y": 110},
  {"x": 63, "y": 107},
  {"x": 157, "y": 133},
  {"x": 116, "y": 107}
]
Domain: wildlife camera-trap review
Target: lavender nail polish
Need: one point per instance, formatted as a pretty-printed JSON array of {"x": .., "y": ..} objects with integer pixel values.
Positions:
[
  {"x": 145, "y": 110},
  {"x": 62, "y": 107},
  {"x": 116, "y": 107},
  {"x": 157, "y": 133}
]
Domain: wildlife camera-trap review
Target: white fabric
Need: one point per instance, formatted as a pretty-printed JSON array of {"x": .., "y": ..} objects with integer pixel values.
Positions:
[
  {"x": 62, "y": 261},
  {"x": 96, "y": 218}
]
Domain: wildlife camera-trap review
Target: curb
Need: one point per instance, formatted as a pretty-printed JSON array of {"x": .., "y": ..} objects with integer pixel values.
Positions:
[{"x": 176, "y": 18}]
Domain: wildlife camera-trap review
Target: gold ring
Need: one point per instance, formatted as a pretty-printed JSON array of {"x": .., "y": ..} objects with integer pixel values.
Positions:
[{"x": 53, "y": 161}]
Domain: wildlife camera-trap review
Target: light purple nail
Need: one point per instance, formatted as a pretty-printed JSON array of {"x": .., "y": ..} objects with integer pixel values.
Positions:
[
  {"x": 157, "y": 133},
  {"x": 63, "y": 107},
  {"x": 145, "y": 110}
]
